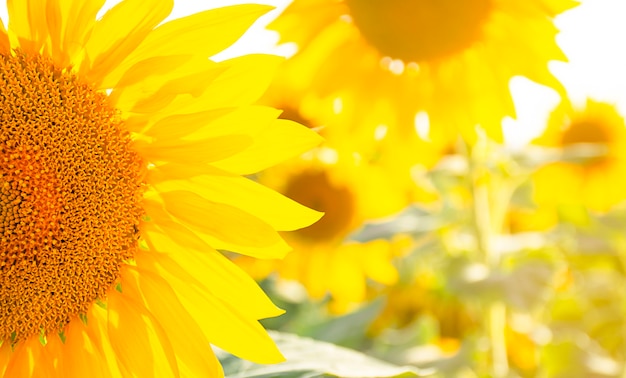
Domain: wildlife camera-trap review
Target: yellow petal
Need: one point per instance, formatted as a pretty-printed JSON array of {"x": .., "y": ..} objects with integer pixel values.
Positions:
[
  {"x": 242, "y": 83},
  {"x": 205, "y": 151},
  {"x": 186, "y": 337},
  {"x": 155, "y": 210},
  {"x": 229, "y": 330},
  {"x": 54, "y": 21},
  {"x": 177, "y": 232},
  {"x": 180, "y": 125},
  {"x": 5, "y": 355},
  {"x": 194, "y": 85},
  {"x": 49, "y": 364},
  {"x": 137, "y": 338},
  {"x": 5, "y": 45},
  {"x": 345, "y": 278},
  {"x": 75, "y": 22},
  {"x": 221, "y": 221},
  {"x": 155, "y": 66},
  {"x": 314, "y": 268},
  {"x": 97, "y": 358},
  {"x": 19, "y": 364},
  {"x": 319, "y": 16},
  {"x": 182, "y": 36},
  {"x": 214, "y": 273},
  {"x": 80, "y": 355},
  {"x": 280, "y": 212},
  {"x": 274, "y": 140},
  {"x": 149, "y": 89},
  {"x": 283, "y": 140},
  {"x": 229, "y": 327},
  {"x": 119, "y": 32},
  {"x": 194, "y": 35},
  {"x": 376, "y": 257},
  {"x": 248, "y": 120},
  {"x": 28, "y": 23}
]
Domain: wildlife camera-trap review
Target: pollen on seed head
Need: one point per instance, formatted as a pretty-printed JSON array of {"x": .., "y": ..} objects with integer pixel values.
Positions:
[{"x": 70, "y": 196}]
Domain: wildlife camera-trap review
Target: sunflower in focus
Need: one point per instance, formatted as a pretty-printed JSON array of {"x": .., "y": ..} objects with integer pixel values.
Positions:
[
  {"x": 598, "y": 182},
  {"x": 325, "y": 259},
  {"x": 123, "y": 148},
  {"x": 441, "y": 67}
]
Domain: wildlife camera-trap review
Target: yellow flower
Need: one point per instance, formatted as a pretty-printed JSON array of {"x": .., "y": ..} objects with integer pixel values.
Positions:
[
  {"x": 407, "y": 302},
  {"x": 522, "y": 351},
  {"x": 598, "y": 183},
  {"x": 520, "y": 219},
  {"x": 441, "y": 66},
  {"x": 325, "y": 260},
  {"x": 306, "y": 108},
  {"x": 122, "y": 148},
  {"x": 340, "y": 180}
]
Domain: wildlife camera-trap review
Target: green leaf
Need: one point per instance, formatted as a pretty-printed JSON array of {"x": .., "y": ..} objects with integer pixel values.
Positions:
[
  {"x": 307, "y": 358},
  {"x": 347, "y": 330},
  {"x": 413, "y": 220}
]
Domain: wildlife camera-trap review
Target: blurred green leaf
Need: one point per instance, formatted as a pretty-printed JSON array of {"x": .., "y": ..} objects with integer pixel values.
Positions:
[
  {"x": 412, "y": 220},
  {"x": 348, "y": 330},
  {"x": 312, "y": 318},
  {"x": 307, "y": 358},
  {"x": 533, "y": 157}
]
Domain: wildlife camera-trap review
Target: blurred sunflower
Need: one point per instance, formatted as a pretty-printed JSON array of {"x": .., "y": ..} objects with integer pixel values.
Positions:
[
  {"x": 407, "y": 302},
  {"x": 122, "y": 152},
  {"x": 599, "y": 182},
  {"x": 390, "y": 166},
  {"x": 522, "y": 219},
  {"x": 324, "y": 259},
  {"x": 439, "y": 66},
  {"x": 522, "y": 352}
]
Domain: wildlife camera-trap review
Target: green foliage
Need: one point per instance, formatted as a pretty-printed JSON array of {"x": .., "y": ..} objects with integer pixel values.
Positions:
[
  {"x": 476, "y": 297},
  {"x": 307, "y": 358}
]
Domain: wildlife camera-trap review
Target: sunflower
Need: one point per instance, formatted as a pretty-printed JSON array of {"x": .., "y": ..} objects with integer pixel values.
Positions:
[
  {"x": 344, "y": 180},
  {"x": 424, "y": 296},
  {"x": 390, "y": 165},
  {"x": 122, "y": 153},
  {"x": 597, "y": 183},
  {"x": 442, "y": 67},
  {"x": 325, "y": 259}
]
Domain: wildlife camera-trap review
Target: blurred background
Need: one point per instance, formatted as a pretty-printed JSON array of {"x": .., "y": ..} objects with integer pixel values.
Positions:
[{"x": 473, "y": 179}]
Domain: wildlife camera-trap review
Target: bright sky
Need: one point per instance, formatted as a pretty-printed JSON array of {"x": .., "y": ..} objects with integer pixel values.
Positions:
[{"x": 592, "y": 36}]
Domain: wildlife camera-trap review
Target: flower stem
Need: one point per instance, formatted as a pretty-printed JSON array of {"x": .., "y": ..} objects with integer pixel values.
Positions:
[{"x": 483, "y": 229}]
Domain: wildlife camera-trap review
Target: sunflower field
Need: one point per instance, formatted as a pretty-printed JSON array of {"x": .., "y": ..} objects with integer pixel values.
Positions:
[{"x": 312, "y": 188}]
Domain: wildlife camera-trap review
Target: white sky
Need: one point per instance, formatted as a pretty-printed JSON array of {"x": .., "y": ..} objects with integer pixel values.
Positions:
[{"x": 593, "y": 36}]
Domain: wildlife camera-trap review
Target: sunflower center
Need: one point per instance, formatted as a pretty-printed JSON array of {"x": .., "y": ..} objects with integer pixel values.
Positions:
[
  {"x": 419, "y": 30},
  {"x": 585, "y": 131},
  {"x": 315, "y": 190},
  {"x": 70, "y": 192}
]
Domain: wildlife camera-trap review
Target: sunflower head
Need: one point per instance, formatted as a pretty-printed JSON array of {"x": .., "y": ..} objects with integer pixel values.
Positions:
[
  {"x": 419, "y": 31},
  {"x": 409, "y": 302},
  {"x": 315, "y": 189},
  {"x": 62, "y": 142},
  {"x": 122, "y": 154},
  {"x": 389, "y": 61},
  {"x": 597, "y": 182},
  {"x": 595, "y": 122},
  {"x": 325, "y": 260}
]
